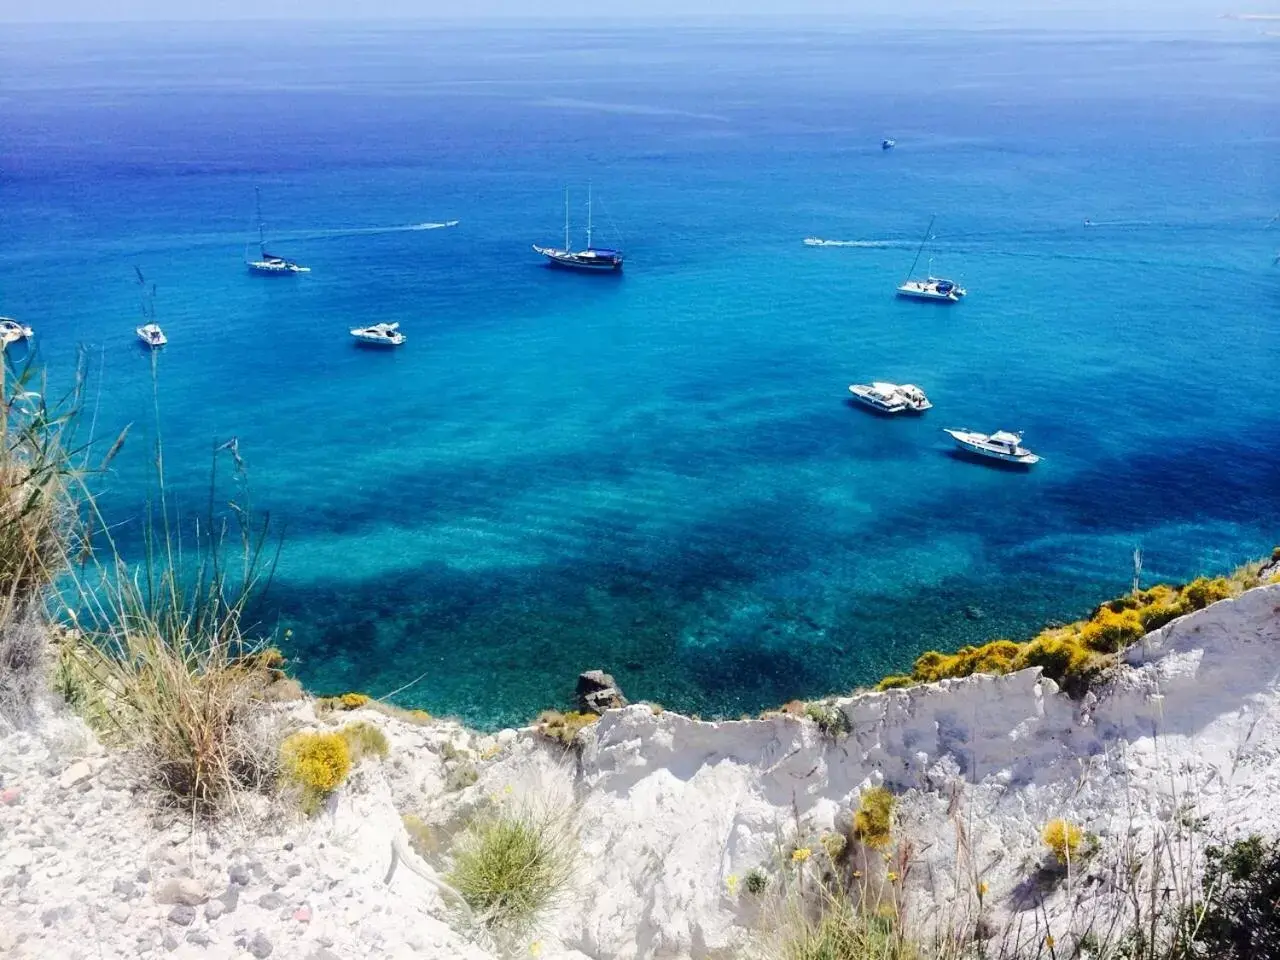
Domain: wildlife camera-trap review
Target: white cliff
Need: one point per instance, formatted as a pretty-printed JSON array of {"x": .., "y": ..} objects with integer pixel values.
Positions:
[{"x": 671, "y": 814}]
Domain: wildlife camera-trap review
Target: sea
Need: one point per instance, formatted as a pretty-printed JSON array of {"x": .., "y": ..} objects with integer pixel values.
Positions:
[{"x": 659, "y": 473}]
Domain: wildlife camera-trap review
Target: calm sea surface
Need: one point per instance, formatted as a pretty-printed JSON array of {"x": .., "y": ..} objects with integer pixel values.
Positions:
[{"x": 658, "y": 473}]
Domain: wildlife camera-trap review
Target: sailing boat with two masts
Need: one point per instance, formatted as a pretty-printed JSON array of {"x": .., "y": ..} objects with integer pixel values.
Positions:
[
  {"x": 268, "y": 264},
  {"x": 597, "y": 259},
  {"x": 931, "y": 287}
]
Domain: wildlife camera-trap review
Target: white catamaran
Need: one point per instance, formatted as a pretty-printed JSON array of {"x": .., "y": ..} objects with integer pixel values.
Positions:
[
  {"x": 594, "y": 259},
  {"x": 268, "y": 264},
  {"x": 931, "y": 287}
]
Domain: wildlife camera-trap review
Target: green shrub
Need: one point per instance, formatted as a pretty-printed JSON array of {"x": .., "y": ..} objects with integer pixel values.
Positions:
[
  {"x": 1063, "y": 840},
  {"x": 895, "y": 681},
  {"x": 831, "y": 720},
  {"x": 1201, "y": 592},
  {"x": 510, "y": 866},
  {"x": 756, "y": 881},
  {"x": 462, "y": 775},
  {"x": 873, "y": 821},
  {"x": 838, "y": 930},
  {"x": 316, "y": 763},
  {"x": 363, "y": 739},
  {"x": 1241, "y": 918}
]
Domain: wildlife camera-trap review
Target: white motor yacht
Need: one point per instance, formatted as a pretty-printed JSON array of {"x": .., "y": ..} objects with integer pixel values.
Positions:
[
  {"x": 11, "y": 331},
  {"x": 151, "y": 335},
  {"x": 1001, "y": 445},
  {"x": 380, "y": 334},
  {"x": 891, "y": 397}
]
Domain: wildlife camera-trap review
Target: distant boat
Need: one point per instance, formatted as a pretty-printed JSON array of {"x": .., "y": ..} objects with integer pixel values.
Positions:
[
  {"x": 268, "y": 264},
  {"x": 1001, "y": 445},
  {"x": 11, "y": 331},
  {"x": 930, "y": 288},
  {"x": 888, "y": 144},
  {"x": 891, "y": 397},
  {"x": 151, "y": 335},
  {"x": 380, "y": 334},
  {"x": 595, "y": 259}
]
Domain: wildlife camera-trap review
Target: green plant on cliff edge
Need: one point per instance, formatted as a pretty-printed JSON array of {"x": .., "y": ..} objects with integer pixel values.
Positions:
[
  {"x": 511, "y": 865},
  {"x": 162, "y": 643},
  {"x": 41, "y": 483}
]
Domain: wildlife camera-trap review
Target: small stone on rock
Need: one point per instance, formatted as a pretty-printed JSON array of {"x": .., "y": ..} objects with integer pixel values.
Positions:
[
  {"x": 302, "y": 914},
  {"x": 199, "y": 938},
  {"x": 78, "y": 772},
  {"x": 182, "y": 890},
  {"x": 260, "y": 946},
  {"x": 323, "y": 954},
  {"x": 125, "y": 889},
  {"x": 271, "y": 901},
  {"x": 10, "y": 795},
  {"x": 239, "y": 875},
  {"x": 230, "y": 899},
  {"x": 182, "y": 915},
  {"x": 214, "y": 909},
  {"x": 289, "y": 845},
  {"x": 169, "y": 942},
  {"x": 293, "y": 870},
  {"x": 143, "y": 875}
]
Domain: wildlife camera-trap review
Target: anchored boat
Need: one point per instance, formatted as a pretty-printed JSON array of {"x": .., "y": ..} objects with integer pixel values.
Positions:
[
  {"x": 1001, "y": 445},
  {"x": 11, "y": 331},
  {"x": 891, "y": 397},
  {"x": 930, "y": 288},
  {"x": 380, "y": 335},
  {"x": 591, "y": 259},
  {"x": 269, "y": 264}
]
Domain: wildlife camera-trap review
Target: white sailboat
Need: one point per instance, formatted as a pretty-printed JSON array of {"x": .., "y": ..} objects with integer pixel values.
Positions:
[
  {"x": 931, "y": 287},
  {"x": 150, "y": 334},
  {"x": 268, "y": 264},
  {"x": 593, "y": 259}
]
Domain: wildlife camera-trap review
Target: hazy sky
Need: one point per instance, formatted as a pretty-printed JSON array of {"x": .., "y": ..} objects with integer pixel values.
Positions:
[{"x": 1183, "y": 11}]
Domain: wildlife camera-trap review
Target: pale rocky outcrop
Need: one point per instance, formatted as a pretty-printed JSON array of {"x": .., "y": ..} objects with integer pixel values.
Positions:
[{"x": 671, "y": 813}]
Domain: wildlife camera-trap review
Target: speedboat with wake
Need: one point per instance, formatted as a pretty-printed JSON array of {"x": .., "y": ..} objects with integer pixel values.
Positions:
[
  {"x": 1002, "y": 445},
  {"x": 11, "y": 331},
  {"x": 931, "y": 288},
  {"x": 380, "y": 335},
  {"x": 891, "y": 397},
  {"x": 591, "y": 259},
  {"x": 151, "y": 335}
]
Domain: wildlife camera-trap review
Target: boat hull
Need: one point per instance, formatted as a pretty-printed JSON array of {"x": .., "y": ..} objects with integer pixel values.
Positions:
[
  {"x": 931, "y": 296},
  {"x": 975, "y": 449},
  {"x": 269, "y": 270},
  {"x": 571, "y": 261}
]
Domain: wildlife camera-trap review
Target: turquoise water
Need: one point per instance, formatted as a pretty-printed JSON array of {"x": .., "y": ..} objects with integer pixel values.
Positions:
[{"x": 658, "y": 473}]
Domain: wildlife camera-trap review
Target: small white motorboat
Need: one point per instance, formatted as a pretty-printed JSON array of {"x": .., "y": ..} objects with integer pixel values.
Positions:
[
  {"x": 380, "y": 334},
  {"x": 888, "y": 144},
  {"x": 151, "y": 335},
  {"x": 1001, "y": 445},
  {"x": 891, "y": 397},
  {"x": 11, "y": 331}
]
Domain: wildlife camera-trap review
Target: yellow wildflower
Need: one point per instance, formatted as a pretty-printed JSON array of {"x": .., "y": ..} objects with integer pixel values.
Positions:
[
  {"x": 1048, "y": 940},
  {"x": 801, "y": 854},
  {"x": 731, "y": 884},
  {"x": 535, "y": 948},
  {"x": 893, "y": 877},
  {"x": 982, "y": 889}
]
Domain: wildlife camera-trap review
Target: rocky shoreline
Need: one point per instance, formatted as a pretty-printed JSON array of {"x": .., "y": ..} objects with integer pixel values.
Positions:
[{"x": 670, "y": 814}]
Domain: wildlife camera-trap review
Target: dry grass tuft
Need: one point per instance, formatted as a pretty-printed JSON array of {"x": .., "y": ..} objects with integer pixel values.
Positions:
[
  {"x": 563, "y": 727},
  {"x": 363, "y": 739}
]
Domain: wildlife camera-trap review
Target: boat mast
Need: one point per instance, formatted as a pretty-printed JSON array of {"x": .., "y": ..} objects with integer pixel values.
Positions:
[
  {"x": 262, "y": 230},
  {"x": 920, "y": 249},
  {"x": 588, "y": 214},
  {"x": 566, "y": 219}
]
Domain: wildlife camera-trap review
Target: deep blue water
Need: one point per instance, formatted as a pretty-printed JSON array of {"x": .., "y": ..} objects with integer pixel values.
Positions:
[{"x": 658, "y": 474}]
